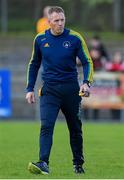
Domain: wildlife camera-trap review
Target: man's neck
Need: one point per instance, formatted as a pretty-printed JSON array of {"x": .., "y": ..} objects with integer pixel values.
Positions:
[{"x": 55, "y": 34}]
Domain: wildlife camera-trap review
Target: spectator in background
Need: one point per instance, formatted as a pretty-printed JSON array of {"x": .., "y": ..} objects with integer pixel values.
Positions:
[
  {"x": 117, "y": 63},
  {"x": 98, "y": 53},
  {"x": 42, "y": 23},
  {"x": 96, "y": 57}
]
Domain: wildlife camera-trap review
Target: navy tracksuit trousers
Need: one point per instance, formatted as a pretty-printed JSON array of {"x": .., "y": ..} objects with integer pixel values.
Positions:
[{"x": 54, "y": 97}]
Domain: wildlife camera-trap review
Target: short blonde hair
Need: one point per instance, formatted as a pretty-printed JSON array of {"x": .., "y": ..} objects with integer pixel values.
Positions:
[{"x": 56, "y": 9}]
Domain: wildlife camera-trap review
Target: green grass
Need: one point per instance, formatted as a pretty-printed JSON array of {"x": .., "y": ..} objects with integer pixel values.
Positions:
[{"x": 103, "y": 149}]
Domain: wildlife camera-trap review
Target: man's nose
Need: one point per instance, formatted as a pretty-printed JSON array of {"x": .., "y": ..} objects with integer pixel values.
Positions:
[{"x": 60, "y": 23}]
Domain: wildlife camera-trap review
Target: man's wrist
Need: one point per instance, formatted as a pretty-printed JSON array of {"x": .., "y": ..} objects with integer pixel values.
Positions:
[
  {"x": 30, "y": 90},
  {"x": 87, "y": 82}
]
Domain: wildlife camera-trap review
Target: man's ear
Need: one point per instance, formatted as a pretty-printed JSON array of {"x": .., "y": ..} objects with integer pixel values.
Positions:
[{"x": 48, "y": 20}]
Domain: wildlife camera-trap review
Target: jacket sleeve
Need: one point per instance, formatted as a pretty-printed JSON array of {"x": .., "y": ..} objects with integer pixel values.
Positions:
[
  {"x": 33, "y": 66},
  {"x": 84, "y": 56}
]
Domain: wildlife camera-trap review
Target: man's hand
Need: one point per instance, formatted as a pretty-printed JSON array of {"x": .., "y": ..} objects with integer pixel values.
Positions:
[
  {"x": 84, "y": 90},
  {"x": 30, "y": 97}
]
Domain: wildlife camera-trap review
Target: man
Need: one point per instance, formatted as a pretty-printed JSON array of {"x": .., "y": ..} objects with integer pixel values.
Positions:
[
  {"x": 42, "y": 23},
  {"x": 57, "y": 49}
]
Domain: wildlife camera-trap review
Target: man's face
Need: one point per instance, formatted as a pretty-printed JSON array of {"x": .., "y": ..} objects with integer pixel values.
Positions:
[{"x": 57, "y": 22}]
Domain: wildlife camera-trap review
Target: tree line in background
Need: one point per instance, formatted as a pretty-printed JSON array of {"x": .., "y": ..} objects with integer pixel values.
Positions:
[{"x": 91, "y": 15}]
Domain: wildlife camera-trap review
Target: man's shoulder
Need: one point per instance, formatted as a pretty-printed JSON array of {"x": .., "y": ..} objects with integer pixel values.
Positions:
[
  {"x": 75, "y": 34},
  {"x": 40, "y": 36}
]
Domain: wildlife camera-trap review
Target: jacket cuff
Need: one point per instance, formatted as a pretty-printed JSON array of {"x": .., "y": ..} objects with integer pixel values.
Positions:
[
  {"x": 87, "y": 82},
  {"x": 29, "y": 90}
]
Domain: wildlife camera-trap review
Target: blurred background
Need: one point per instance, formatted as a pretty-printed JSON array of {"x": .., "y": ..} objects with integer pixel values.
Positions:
[{"x": 100, "y": 22}]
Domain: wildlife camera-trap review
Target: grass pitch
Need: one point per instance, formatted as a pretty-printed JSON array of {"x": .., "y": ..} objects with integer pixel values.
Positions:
[{"x": 103, "y": 149}]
